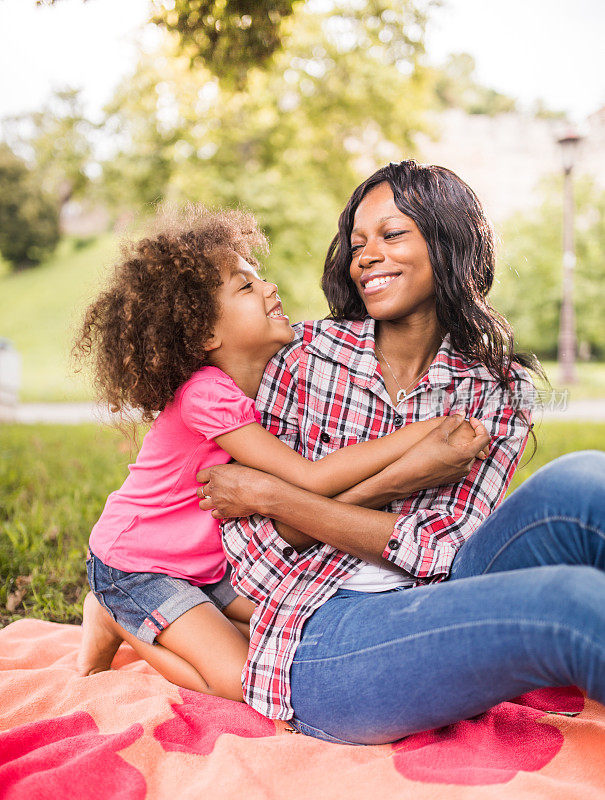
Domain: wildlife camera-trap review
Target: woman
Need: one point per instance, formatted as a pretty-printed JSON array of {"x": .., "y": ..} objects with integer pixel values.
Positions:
[{"x": 501, "y": 605}]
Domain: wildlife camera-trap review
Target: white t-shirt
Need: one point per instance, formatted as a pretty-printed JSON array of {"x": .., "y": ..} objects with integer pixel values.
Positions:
[{"x": 372, "y": 578}]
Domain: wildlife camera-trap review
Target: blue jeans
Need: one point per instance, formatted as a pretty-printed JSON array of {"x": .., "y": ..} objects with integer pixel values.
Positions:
[{"x": 524, "y": 607}]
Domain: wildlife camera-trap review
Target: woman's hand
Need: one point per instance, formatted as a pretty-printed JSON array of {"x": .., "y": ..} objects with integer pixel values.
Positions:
[
  {"x": 445, "y": 455},
  {"x": 230, "y": 490}
]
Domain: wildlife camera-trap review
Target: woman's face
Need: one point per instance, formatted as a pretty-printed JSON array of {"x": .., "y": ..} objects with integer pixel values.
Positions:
[{"x": 390, "y": 263}]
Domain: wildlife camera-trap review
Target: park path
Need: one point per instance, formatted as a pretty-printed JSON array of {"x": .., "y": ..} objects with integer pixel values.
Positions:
[{"x": 75, "y": 413}]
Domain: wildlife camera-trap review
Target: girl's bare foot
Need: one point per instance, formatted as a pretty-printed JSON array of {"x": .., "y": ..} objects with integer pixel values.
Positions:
[{"x": 100, "y": 641}]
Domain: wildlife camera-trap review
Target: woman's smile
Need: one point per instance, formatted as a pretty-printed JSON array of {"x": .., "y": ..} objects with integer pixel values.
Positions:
[
  {"x": 377, "y": 281},
  {"x": 390, "y": 264}
]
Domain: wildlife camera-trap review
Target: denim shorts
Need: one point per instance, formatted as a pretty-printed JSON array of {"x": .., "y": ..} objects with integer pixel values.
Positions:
[{"x": 145, "y": 603}]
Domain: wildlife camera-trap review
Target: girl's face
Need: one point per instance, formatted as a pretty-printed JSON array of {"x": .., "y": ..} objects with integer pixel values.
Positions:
[
  {"x": 390, "y": 263},
  {"x": 252, "y": 322}
]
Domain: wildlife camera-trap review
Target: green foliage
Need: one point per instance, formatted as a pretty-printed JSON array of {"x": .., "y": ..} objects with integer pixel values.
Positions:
[
  {"x": 529, "y": 276},
  {"x": 57, "y": 141},
  {"x": 346, "y": 95},
  {"x": 556, "y": 438},
  {"x": 29, "y": 219},
  {"x": 140, "y": 115},
  {"x": 228, "y": 36},
  {"x": 53, "y": 484}
]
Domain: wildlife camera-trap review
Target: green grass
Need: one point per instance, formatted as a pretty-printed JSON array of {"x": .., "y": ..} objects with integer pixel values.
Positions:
[
  {"x": 555, "y": 438},
  {"x": 53, "y": 484},
  {"x": 54, "y": 481},
  {"x": 591, "y": 380},
  {"x": 40, "y": 309}
]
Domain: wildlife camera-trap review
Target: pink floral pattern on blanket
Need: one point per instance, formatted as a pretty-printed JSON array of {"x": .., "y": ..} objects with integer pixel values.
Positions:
[
  {"x": 129, "y": 734},
  {"x": 491, "y": 747},
  {"x": 201, "y": 719},
  {"x": 55, "y": 758}
]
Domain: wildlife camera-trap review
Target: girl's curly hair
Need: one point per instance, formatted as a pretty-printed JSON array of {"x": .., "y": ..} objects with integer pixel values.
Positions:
[{"x": 144, "y": 335}]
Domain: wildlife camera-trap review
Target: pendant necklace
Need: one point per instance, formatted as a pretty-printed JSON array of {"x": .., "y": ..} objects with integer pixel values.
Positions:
[{"x": 402, "y": 393}]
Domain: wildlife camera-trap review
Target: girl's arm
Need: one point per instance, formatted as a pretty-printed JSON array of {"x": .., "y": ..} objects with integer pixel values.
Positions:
[
  {"x": 253, "y": 446},
  {"x": 443, "y": 457},
  {"x": 437, "y": 460},
  {"x": 422, "y": 542}
]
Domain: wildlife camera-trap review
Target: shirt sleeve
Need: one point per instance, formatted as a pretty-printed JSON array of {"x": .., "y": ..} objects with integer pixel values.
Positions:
[
  {"x": 258, "y": 555},
  {"x": 425, "y": 541},
  {"x": 215, "y": 405}
]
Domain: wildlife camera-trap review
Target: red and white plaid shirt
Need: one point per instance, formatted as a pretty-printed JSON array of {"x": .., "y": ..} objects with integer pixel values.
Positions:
[{"x": 324, "y": 391}]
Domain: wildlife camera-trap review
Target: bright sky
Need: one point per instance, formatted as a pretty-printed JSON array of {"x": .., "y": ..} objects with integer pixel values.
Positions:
[
  {"x": 552, "y": 49},
  {"x": 89, "y": 45},
  {"x": 549, "y": 49}
]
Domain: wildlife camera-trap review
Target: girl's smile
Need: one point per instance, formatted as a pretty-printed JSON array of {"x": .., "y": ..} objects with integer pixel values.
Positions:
[
  {"x": 252, "y": 324},
  {"x": 277, "y": 312}
]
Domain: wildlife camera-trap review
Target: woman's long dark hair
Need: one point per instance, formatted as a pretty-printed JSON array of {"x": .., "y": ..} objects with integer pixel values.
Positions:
[{"x": 460, "y": 243}]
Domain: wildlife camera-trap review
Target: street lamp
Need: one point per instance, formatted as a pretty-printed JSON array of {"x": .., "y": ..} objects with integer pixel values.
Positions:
[{"x": 567, "y": 327}]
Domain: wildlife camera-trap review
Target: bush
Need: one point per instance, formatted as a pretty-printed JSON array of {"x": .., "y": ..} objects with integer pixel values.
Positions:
[
  {"x": 29, "y": 218},
  {"x": 528, "y": 284}
]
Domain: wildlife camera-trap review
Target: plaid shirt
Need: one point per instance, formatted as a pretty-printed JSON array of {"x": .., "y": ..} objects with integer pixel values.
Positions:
[{"x": 324, "y": 391}]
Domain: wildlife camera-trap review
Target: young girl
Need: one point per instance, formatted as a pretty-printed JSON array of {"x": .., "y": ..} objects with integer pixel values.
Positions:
[{"x": 186, "y": 329}]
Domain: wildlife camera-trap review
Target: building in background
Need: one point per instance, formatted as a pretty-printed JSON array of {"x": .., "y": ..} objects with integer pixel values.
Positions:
[{"x": 504, "y": 157}]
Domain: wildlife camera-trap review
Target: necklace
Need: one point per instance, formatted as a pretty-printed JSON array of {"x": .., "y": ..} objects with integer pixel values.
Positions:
[{"x": 402, "y": 393}]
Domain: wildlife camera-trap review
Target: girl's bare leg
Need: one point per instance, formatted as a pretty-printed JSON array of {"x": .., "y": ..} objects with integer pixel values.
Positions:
[
  {"x": 201, "y": 650},
  {"x": 205, "y": 639},
  {"x": 240, "y": 609},
  {"x": 239, "y": 612},
  {"x": 100, "y": 641}
]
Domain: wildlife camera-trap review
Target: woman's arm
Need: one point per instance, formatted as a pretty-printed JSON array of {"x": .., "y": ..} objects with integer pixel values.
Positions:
[
  {"x": 434, "y": 461},
  {"x": 422, "y": 541},
  {"x": 243, "y": 493},
  {"x": 255, "y": 447},
  {"x": 426, "y": 538}
]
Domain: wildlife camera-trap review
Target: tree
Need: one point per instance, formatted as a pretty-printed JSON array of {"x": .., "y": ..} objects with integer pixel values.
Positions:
[
  {"x": 29, "y": 219},
  {"x": 230, "y": 37},
  {"x": 140, "y": 121},
  {"x": 346, "y": 95},
  {"x": 57, "y": 142},
  {"x": 528, "y": 280}
]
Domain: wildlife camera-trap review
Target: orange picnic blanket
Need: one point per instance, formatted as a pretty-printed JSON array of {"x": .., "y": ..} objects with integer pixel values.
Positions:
[{"x": 128, "y": 734}]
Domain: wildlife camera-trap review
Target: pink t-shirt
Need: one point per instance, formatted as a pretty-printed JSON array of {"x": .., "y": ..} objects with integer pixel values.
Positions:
[{"x": 153, "y": 522}]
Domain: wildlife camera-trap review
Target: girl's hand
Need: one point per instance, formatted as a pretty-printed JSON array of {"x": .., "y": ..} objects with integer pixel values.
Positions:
[
  {"x": 446, "y": 454},
  {"x": 230, "y": 490},
  {"x": 479, "y": 429}
]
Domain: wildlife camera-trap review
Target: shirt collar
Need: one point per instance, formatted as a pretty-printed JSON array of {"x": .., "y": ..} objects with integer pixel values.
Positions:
[{"x": 351, "y": 343}]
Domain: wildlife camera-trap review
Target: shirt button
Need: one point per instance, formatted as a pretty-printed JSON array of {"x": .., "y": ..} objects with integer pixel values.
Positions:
[
  {"x": 393, "y": 544},
  {"x": 325, "y": 437},
  {"x": 398, "y": 421},
  {"x": 288, "y": 552}
]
